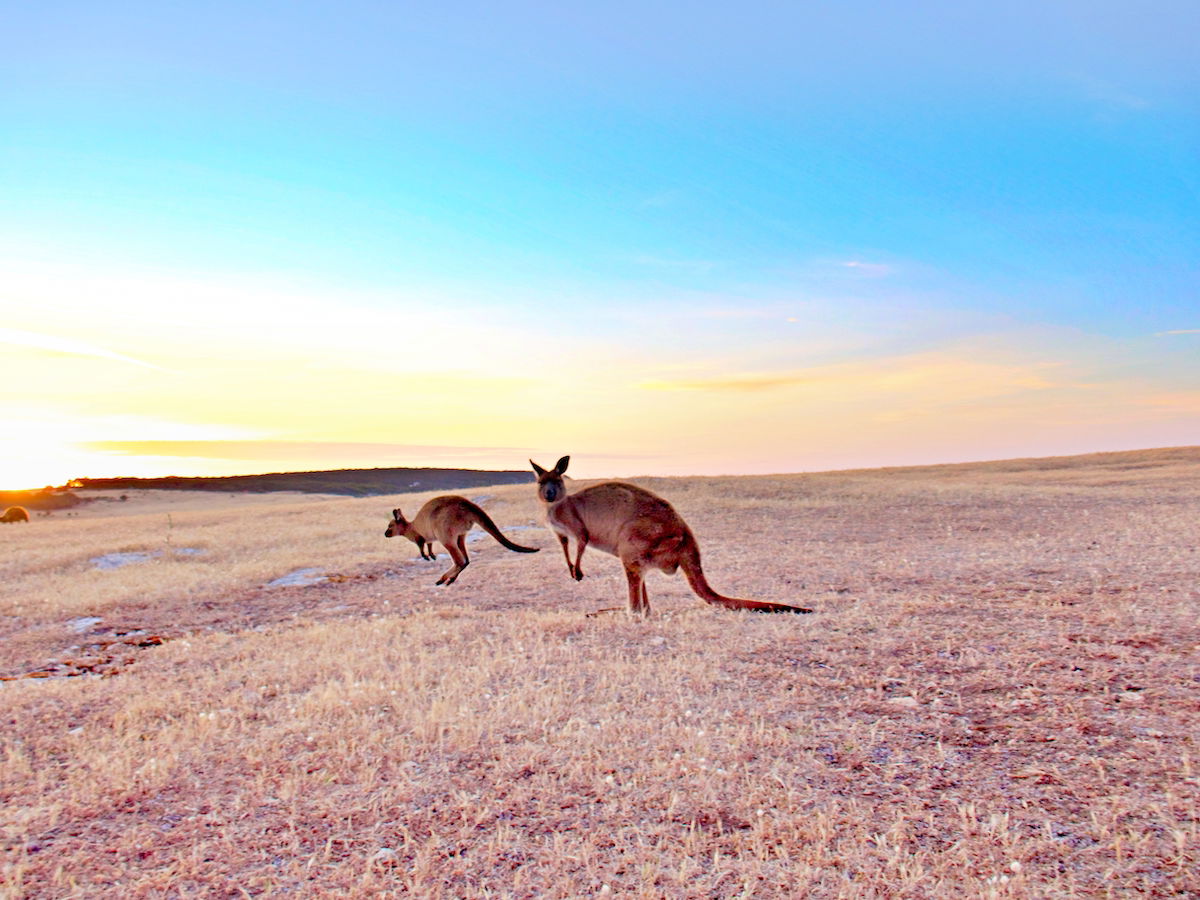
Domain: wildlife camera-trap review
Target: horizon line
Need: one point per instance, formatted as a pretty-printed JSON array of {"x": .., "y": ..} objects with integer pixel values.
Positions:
[{"x": 68, "y": 484}]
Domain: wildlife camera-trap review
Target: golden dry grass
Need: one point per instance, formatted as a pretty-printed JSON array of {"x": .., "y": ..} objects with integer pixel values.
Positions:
[{"x": 999, "y": 696}]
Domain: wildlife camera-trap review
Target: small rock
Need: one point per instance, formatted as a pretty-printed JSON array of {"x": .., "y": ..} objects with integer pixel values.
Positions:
[
  {"x": 385, "y": 856},
  {"x": 907, "y": 702},
  {"x": 299, "y": 578}
]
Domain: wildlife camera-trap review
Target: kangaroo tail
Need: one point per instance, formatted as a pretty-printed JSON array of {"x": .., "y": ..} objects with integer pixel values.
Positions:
[
  {"x": 486, "y": 523},
  {"x": 695, "y": 576}
]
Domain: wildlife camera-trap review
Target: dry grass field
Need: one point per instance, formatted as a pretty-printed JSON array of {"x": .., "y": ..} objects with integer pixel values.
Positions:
[{"x": 998, "y": 696}]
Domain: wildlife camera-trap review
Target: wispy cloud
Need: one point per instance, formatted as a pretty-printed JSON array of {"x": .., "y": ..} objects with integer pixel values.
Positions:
[
  {"x": 1179, "y": 401},
  {"x": 735, "y": 383},
  {"x": 662, "y": 199},
  {"x": 923, "y": 376},
  {"x": 1177, "y": 331},
  {"x": 55, "y": 344},
  {"x": 1112, "y": 96},
  {"x": 871, "y": 269},
  {"x": 738, "y": 312},
  {"x": 697, "y": 266}
]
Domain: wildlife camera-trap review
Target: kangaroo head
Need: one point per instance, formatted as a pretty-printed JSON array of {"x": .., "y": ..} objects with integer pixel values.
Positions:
[
  {"x": 550, "y": 483},
  {"x": 398, "y": 527}
]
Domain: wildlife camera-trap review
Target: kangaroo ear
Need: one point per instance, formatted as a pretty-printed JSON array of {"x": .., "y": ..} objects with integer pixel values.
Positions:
[
  {"x": 396, "y": 514},
  {"x": 540, "y": 471},
  {"x": 561, "y": 465}
]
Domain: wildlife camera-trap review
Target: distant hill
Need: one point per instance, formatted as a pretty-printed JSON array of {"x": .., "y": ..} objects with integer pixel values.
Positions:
[
  {"x": 351, "y": 482},
  {"x": 46, "y": 499}
]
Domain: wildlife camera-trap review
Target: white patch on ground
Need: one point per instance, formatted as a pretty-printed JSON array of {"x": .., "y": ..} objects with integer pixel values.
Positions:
[
  {"x": 299, "y": 578},
  {"x": 83, "y": 623},
  {"x": 116, "y": 560}
]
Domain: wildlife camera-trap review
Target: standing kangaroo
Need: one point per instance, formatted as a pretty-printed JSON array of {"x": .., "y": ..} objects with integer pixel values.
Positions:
[
  {"x": 447, "y": 520},
  {"x": 639, "y": 528}
]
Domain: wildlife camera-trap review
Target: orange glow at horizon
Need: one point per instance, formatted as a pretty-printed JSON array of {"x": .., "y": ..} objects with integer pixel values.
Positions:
[{"x": 244, "y": 391}]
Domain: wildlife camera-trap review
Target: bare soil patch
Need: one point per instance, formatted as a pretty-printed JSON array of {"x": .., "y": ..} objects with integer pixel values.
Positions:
[{"x": 998, "y": 696}]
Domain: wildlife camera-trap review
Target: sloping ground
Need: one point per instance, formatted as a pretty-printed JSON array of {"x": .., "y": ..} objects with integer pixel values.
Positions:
[
  {"x": 1170, "y": 463},
  {"x": 999, "y": 696}
]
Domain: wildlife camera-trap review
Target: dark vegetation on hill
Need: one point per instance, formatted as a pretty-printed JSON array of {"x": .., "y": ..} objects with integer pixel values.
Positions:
[
  {"x": 45, "y": 500},
  {"x": 351, "y": 482}
]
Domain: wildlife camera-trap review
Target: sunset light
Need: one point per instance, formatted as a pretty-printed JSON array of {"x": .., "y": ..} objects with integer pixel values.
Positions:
[
  {"x": 435, "y": 248},
  {"x": 855, "y": 347}
]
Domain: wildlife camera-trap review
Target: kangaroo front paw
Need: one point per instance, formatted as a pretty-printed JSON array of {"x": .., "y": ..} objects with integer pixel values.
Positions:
[{"x": 578, "y": 574}]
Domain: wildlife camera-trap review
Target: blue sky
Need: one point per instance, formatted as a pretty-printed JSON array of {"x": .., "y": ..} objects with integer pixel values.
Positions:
[{"x": 700, "y": 199}]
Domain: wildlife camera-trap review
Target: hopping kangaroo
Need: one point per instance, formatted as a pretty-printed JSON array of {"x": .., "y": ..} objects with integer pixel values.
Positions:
[
  {"x": 639, "y": 528},
  {"x": 447, "y": 520}
]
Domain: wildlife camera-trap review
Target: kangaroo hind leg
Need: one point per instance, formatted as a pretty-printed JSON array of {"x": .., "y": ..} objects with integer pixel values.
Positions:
[{"x": 458, "y": 552}]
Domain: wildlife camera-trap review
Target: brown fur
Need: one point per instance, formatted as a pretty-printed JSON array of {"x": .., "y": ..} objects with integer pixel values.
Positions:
[
  {"x": 447, "y": 520},
  {"x": 15, "y": 514},
  {"x": 639, "y": 528}
]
